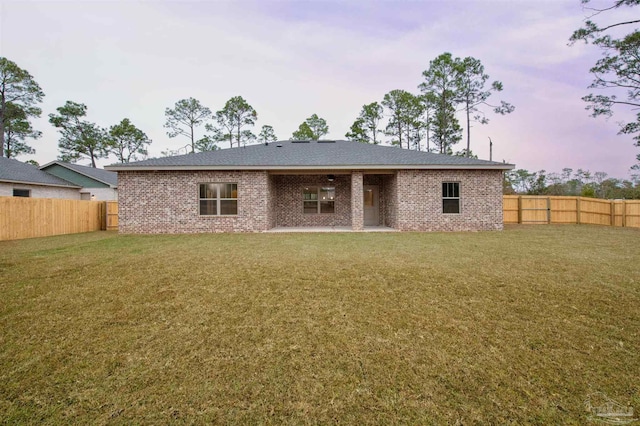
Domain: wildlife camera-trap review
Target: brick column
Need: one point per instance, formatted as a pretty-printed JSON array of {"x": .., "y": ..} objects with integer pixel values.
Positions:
[{"x": 357, "y": 203}]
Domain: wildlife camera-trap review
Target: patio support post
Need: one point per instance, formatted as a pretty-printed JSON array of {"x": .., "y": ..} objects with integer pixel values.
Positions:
[{"x": 357, "y": 203}]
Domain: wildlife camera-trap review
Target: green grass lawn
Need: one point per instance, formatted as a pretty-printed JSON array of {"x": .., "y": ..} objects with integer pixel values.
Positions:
[{"x": 519, "y": 326}]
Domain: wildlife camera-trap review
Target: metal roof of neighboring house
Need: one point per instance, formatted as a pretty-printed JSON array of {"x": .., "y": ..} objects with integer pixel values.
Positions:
[
  {"x": 16, "y": 171},
  {"x": 300, "y": 155},
  {"x": 101, "y": 175}
]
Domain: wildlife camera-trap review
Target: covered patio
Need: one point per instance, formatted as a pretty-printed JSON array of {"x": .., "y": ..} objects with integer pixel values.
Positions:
[{"x": 331, "y": 200}]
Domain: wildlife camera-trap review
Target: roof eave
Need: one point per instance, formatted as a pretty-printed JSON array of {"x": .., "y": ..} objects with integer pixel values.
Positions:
[
  {"x": 24, "y": 182},
  {"x": 503, "y": 166}
]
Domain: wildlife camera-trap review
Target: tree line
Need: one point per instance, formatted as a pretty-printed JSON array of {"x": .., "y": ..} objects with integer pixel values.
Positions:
[
  {"x": 449, "y": 83},
  {"x": 572, "y": 183},
  {"x": 20, "y": 94}
]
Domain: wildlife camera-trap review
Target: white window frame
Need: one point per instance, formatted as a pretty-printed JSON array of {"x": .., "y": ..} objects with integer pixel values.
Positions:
[{"x": 218, "y": 199}]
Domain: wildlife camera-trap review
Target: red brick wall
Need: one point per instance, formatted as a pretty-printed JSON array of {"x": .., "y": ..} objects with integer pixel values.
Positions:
[
  {"x": 288, "y": 203},
  {"x": 411, "y": 200},
  {"x": 271, "y": 211},
  {"x": 389, "y": 185},
  {"x": 168, "y": 202},
  {"x": 419, "y": 200},
  {"x": 357, "y": 202}
]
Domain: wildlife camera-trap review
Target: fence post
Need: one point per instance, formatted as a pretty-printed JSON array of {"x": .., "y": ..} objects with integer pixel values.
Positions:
[
  {"x": 578, "y": 210},
  {"x": 548, "y": 210},
  {"x": 613, "y": 214},
  {"x": 624, "y": 213},
  {"x": 103, "y": 215},
  {"x": 519, "y": 208}
]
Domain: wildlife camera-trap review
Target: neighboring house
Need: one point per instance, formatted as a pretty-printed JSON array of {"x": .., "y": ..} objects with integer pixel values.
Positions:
[
  {"x": 24, "y": 180},
  {"x": 96, "y": 184},
  {"x": 309, "y": 184}
]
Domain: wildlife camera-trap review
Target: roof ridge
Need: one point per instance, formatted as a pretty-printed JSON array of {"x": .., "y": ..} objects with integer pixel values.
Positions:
[{"x": 288, "y": 154}]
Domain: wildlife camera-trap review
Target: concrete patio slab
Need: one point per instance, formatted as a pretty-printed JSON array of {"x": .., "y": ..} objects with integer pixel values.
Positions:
[{"x": 329, "y": 229}]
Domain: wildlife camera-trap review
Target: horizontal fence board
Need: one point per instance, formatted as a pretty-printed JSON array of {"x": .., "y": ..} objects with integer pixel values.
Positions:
[{"x": 534, "y": 210}]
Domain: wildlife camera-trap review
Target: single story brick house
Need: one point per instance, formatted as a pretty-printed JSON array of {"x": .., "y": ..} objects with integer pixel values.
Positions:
[{"x": 309, "y": 184}]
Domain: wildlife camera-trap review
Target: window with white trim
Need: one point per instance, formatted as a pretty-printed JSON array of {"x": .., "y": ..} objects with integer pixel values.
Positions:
[
  {"x": 450, "y": 197},
  {"x": 318, "y": 199},
  {"x": 218, "y": 199}
]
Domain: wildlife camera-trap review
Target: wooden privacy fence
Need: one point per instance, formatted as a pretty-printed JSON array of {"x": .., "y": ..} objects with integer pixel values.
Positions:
[
  {"x": 111, "y": 216},
  {"x": 530, "y": 209},
  {"x": 41, "y": 217}
]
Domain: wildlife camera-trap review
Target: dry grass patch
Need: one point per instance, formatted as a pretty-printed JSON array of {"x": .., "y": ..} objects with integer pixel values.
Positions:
[{"x": 496, "y": 327}]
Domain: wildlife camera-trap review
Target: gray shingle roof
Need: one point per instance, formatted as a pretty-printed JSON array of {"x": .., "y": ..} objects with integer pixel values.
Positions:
[
  {"x": 101, "y": 175},
  {"x": 310, "y": 155},
  {"x": 15, "y": 171}
]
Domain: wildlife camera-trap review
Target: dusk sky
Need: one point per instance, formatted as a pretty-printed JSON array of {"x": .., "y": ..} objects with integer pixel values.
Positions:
[{"x": 292, "y": 59}]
